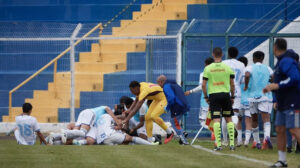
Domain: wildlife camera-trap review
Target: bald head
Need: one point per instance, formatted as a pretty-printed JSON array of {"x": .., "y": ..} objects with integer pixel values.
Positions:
[{"x": 161, "y": 80}]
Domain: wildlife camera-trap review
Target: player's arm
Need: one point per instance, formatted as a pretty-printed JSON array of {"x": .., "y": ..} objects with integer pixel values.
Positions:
[
  {"x": 41, "y": 137},
  {"x": 134, "y": 110},
  {"x": 232, "y": 88},
  {"x": 196, "y": 89},
  {"x": 140, "y": 125},
  {"x": 111, "y": 113},
  {"x": 133, "y": 105},
  {"x": 247, "y": 79},
  {"x": 204, "y": 89}
]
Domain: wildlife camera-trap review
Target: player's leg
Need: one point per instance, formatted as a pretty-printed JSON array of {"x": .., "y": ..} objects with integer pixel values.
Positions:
[
  {"x": 202, "y": 116},
  {"x": 265, "y": 109},
  {"x": 255, "y": 130},
  {"x": 215, "y": 110},
  {"x": 293, "y": 123},
  {"x": 224, "y": 132},
  {"x": 227, "y": 112},
  {"x": 138, "y": 140},
  {"x": 281, "y": 121},
  {"x": 149, "y": 121},
  {"x": 248, "y": 123},
  {"x": 237, "y": 120},
  {"x": 85, "y": 120},
  {"x": 176, "y": 125},
  {"x": 289, "y": 140}
]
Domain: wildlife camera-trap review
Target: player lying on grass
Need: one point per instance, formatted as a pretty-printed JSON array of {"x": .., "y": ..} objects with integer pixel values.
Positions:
[
  {"x": 107, "y": 132},
  {"x": 136, "y": 123},
  {"x": 85, "y": 121},
  {"x": 154, "y": 92},
  {"x": 177, "y": 104},
  {"x": 26, "y": 127},
  {"x": 257, "y": 77}
]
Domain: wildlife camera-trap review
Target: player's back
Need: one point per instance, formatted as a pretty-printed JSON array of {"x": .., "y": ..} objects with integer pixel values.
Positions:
[
  {"x": 238, "y": 69},
  {"x": 260, "y": 75},
  {"x": 151, "y": 91},
  {"x": 26, "y": 128}
]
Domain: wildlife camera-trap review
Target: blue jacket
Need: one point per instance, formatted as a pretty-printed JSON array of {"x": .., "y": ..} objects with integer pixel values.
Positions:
[
  {"x": 287, "y": 75},
  {"x": 177, "y": 102}
]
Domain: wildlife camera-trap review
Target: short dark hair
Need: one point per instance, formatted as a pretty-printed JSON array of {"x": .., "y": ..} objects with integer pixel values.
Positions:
[
  {"x": 244, "y": 60},
  {"x": 217, "y": 52},
  {"x": 27, "y": 107},
  {"x": 119, "y": 110},
  {"x": 258, "y": 55},
  {"x": 281, "y": 44},
  {"x": 126, "y": 100},
  {"x": 209, "y": 60},
  {"x": 134, "y": 84},
  {"x": 233, "y": 52}
]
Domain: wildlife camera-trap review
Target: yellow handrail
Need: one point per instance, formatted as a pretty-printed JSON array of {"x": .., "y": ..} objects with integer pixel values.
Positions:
[{"x": 49, "y": 64}]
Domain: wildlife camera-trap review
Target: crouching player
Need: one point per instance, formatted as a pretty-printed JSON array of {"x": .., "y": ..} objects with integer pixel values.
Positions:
[
  {"x": 136, "y": 123},
  {"x": 85, "y": 121},
  {"x": 177, "y": 104},
  {"x": 26, "y": 127}
]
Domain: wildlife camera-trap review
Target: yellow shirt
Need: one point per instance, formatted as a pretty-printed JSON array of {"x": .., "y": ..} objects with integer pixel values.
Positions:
[{"x": 150, "y": 91}]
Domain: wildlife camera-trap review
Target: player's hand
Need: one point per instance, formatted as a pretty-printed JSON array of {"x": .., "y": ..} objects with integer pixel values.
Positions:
[
  {"x": 275, "y": 106},
  {"x": 131, "y": 131},
  {"x": 245, "y": 88},
  {"x": 270, "y": 87},
  {"x": 118, "y": 122},
  {"x": 187, "y": 93},
  {"x": 207, "y": 101}
]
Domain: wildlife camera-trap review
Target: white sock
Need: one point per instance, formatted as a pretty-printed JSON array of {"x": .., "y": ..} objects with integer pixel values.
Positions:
[
  {"x": 56, "y": 136},
  {"x": 74, "y": 133},
  {"x": 282, "y": 156},
  {"x": 169, "y": 131},
  {"x": 224, "y": 130},
  {"x": 247, "y": 136},
  {"x": 255, "y": 133},
  {"x": 140, "y": 141},
  {"x": 151, "y": 139},
  {"x": 57, "y": 142},
  {"x": 239, "y": 137},
  {"x": 235, "y": 120},
  {"x": 267, "y": 129}
]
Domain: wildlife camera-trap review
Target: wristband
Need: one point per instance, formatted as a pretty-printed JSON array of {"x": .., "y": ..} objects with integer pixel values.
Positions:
[
  {"x": 232, "y": 97},
  {"x": 205, "y": 97}
]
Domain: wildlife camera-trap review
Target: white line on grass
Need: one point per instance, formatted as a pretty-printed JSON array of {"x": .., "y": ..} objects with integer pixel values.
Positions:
[{"x": 232, "y": 155}]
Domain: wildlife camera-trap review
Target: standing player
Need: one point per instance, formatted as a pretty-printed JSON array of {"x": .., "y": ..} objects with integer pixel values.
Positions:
[
  {"x": 238, "y": 69},
  {"x": 203, "y": 103},
  {"x": 286, "y": 86},
  {"x": 257, "y": 77},
  {"x": 220, "y": 80},
  {"x": 153, "y": 92},
  {"x": 27, "y": 126},
  {"x": 85, "y": 121},
  {"x": 177, "y": 104},
  {"x": 136, "y": 123},
  {"x": 244, "y": 110}
]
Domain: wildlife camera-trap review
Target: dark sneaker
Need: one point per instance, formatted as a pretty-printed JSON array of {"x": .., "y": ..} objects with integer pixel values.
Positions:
[
  {"x": 289, "y": 149},
  {"x": 297, "y": 148},
  {"x": 258, "y": 146},
  {"x": 169, "y": 137},
  {"x": 183, "y": 141},
  {"x": 217, "y": 149},
  {"x": 280, "y": 164},
  {"x": 157, "y": 139},
  {"x": 268, "y": 140},
  {"x": 232, "y": 148}
]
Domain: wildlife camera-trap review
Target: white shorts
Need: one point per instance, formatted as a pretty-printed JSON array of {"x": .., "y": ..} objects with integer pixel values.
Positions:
[
  {"x": 244, "y": 112},
  {"x": 115, "y": 138},
  {"x": 86, "y": 117},
  {"x": 133, "y": 123},
  {"x": 92, "y": 133},
  {"x": 203, "y": 113},
  {"x": 257, "y": 107},
  {"x": 237, "y": 103}
]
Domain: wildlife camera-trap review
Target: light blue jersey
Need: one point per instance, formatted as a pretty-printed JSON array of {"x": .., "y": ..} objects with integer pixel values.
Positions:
[
  {"x": 260, "y": 76},
  {"x": 99, "y": 111},
  {"x": 244, "y": 98},
  {"x": 203, "y": 103}
]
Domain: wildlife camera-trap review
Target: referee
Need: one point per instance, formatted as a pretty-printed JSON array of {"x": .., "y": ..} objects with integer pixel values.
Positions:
[{"x": 220, "y": 80}]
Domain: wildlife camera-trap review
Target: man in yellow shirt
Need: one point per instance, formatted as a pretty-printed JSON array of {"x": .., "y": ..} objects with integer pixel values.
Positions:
[{"x": 153, "y": 92}]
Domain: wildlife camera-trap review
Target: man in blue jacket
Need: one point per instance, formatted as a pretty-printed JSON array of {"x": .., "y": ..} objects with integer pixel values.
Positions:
[
  {"x": 177, "y": 104},
  {"x": 286, "y": 81}
]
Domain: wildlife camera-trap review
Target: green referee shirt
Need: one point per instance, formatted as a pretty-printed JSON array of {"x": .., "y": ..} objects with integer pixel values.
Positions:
[{"x": 218, "y": 77}]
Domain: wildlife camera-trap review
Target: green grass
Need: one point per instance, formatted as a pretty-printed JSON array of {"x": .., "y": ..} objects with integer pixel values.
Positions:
[{"x": 171, "y": 155}]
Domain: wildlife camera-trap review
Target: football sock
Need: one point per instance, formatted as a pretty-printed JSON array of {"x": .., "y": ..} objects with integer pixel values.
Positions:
[
  {"x": 282, "y": 156},
  {"x": 248, "y": 136},
  {"x": 140, "y": 141},
  {"x": 217, "y": 131},
  {"x": 239, "y": 137},
  {"x": 230, "y": 129},
  {"x": 224, "y": 130},
  {"x": 255, "y": 133},
  {"x": 267, "y": 129}
]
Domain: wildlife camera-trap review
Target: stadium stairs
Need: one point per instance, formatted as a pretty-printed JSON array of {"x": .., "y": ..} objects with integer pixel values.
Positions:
[{"x": 103, "y": 59}]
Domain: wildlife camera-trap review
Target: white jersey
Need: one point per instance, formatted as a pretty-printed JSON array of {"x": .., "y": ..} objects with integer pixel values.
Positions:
[
  {"x": 26, "y": 126},
  {"x": 238, "y": 68},
  {"x": 105, "y": 128}
]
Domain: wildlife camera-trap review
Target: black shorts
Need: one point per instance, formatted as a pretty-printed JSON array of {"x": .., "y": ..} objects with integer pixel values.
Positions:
[{"x": 220, "y": 105}]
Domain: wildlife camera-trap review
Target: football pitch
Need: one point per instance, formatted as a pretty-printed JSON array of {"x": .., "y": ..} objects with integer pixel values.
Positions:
[{"x": 171, "y": 155}]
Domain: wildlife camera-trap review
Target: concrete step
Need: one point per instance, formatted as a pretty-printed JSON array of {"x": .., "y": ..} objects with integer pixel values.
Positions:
[
  {"x": 160, "y": 16},
  {"x": 90, "y": 57},
  {"x": 138, "y": 47},
  {"x": 100, "y": 67}
]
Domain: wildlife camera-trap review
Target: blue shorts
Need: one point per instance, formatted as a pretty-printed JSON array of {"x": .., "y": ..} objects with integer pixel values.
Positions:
[{"x": 288, "y": 118}]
